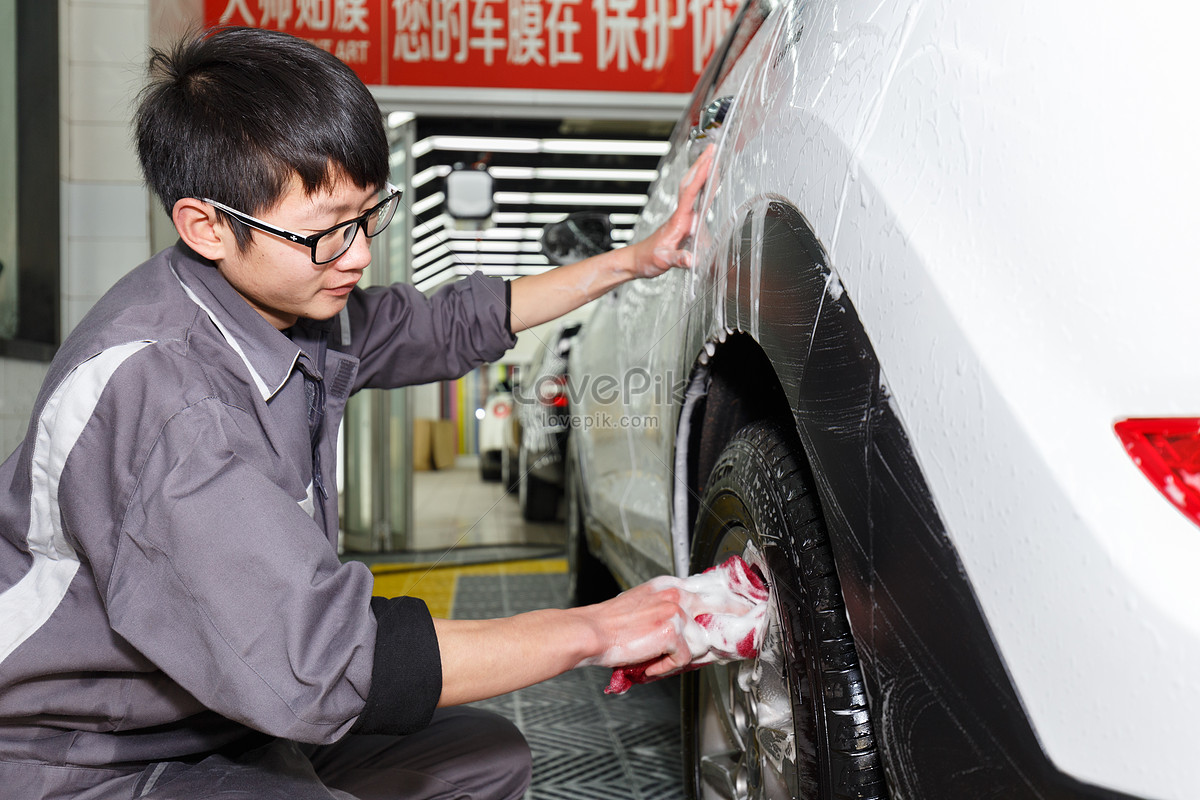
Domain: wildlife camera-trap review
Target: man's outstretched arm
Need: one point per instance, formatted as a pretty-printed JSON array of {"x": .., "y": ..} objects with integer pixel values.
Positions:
[
  {"x": 541, "y": 298},
  {"x": 485, "y": 658}
]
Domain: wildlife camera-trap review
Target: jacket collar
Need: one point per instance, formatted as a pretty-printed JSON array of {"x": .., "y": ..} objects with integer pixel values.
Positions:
[{"x": 268, "y": 354}]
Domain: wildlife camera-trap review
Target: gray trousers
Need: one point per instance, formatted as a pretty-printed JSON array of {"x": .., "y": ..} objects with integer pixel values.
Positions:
[{"x": 464, "y": 754}]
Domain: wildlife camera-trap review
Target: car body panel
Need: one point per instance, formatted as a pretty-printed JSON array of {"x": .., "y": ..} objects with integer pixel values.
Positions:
[
  {"x": 991, "y": 220},
  {"x": 627, "y": 489}
]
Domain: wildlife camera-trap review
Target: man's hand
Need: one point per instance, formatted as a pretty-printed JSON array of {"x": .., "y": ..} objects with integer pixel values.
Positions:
[
  {"x": 541, "y": 298},
  {"x": 725, "y": 610},
  {"x": 662, "y": 250},
  {"x": 645, "y": 624}
]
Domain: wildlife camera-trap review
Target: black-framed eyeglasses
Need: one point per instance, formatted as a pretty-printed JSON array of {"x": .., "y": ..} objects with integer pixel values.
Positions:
[{"x": 327, "y": 245}]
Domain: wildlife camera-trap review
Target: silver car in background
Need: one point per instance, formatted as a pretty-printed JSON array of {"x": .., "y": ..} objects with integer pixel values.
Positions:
[
  {"x": 543, "y": 425},
  {"x": 931, "y": 373}
]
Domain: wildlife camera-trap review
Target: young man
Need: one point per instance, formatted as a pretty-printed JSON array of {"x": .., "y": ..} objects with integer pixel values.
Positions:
[{"x": 174, "y": 620}]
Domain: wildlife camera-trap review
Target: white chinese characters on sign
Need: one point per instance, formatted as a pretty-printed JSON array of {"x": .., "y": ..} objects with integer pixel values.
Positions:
[
  {"x": 238, "y": 8},
  {"x": 342, "y": 16},
  {"x": 311, "y": 19},
  {"x": 710, "y": 20},
  {"x": 657, "y": 25},
  {"x": 630, "y": 34},
  {"x": 485, "y": 22},
  {"x": 616, "y": 33},
  {"x": 526, "y": 25},
  {"x": 561, "y": 27},
  {"x": 275, "y": 13}
]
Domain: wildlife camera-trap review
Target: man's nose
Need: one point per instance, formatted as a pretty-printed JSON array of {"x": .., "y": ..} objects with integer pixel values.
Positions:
[{"x": 359, "y": 254}]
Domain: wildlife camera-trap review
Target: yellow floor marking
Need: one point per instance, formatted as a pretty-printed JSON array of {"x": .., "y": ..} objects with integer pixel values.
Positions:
[{"x": 435, "y": 583}]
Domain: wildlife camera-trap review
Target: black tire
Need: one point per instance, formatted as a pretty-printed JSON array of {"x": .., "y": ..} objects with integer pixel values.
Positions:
[
  {"x": 489, "y": 467},
  {"x": 801, "y": 728},
  {"x": 509, "y": 474},
  {"x": 588, "y": 579},
  {"x": 537, "y": 498}
]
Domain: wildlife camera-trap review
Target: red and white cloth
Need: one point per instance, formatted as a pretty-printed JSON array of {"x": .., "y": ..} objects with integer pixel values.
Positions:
[{"x": 726, "y": 608}]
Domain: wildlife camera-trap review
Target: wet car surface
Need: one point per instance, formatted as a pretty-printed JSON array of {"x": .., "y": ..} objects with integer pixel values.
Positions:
[{"x": 899, "y": 379}]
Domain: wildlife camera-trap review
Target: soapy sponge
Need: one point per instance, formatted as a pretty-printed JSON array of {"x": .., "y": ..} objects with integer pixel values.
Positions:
[{"x": 726, "y": 608}]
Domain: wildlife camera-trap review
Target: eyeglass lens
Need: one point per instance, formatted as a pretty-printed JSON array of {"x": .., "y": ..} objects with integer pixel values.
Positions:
[{"x": 337, "y": 241}]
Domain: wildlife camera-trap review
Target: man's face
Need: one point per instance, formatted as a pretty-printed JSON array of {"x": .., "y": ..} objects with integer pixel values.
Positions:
[{"x": 278, "y": 278}]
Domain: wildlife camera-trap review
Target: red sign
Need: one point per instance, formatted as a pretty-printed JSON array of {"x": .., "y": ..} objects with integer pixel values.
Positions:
[{"x": 600, "y": 45}]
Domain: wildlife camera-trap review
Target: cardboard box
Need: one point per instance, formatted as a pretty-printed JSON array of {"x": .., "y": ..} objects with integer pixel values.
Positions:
[
  {"x": 445, "y": 444},
  {"x": 422, "y": 444}
]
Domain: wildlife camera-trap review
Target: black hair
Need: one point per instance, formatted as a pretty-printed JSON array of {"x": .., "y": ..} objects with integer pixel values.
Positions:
[{"x": 232, "y": 113}]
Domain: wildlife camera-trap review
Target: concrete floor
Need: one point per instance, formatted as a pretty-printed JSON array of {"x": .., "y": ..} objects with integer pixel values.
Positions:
[{"x": 455, "y": 508}]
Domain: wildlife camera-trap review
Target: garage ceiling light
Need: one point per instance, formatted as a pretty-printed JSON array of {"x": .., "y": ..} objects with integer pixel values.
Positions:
[
  {"x": 528, "y": 218},
  {"x": 492, "y": 246},
  {"x": 473, "y": 259},
  {"x": 425, "y": 203},
  {"x": 438, "y": 251},
  {"x": 482, "y": 144},
  {"x": 571, "y": 199},
  {"x": 605, "y": 173},
  {"x": 423, "y": 244},
  {"x": 573, "y": 174},
  {"x": 498, "y": 233},
  {"x": 431, "y": 225},
  {"x": 440, "y": 266},
  {"x": 615, "y": 146},
  {"x": 426, "y": 175},
  {"x": 501, "y": 144},
  {"x": 434, "y": 281}
]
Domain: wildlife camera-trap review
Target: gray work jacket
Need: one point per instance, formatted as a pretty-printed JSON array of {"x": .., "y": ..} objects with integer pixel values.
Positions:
[{"x": 169, "y": 580}]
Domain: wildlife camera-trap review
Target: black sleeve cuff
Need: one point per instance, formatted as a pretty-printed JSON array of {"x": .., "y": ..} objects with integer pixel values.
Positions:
[
  {"x": 406, "y": 680},
  {"x": 508, "y": 307}
]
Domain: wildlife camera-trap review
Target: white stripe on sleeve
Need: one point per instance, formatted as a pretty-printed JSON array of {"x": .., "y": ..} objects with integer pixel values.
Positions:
[{"x": 27, "y": 604}]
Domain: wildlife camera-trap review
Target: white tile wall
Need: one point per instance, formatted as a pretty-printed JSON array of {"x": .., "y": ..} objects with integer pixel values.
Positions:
[
  {"x": 19, "y": 384},
  {"x": 103, "y": 92},
  {"x": 106, "y": 210},
  {"x": 107, "y": 33},
  {"x": 106, "y": 223},
  {"x": 105, "y": 227},
  {"x": 96, "y": 264},
  {"x": 103, "y": 210},
  {"x": 102, "y": 152}
]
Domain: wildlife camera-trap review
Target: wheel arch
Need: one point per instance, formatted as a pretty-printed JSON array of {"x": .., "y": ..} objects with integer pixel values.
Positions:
[
  {"x": 799, "y": 354},
  {"x": 727, "y": 390},
  {"x": 734, "y": 379}
]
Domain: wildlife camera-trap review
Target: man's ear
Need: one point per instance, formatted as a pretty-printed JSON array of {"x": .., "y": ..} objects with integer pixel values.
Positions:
[{"x": 202, "y": 228}]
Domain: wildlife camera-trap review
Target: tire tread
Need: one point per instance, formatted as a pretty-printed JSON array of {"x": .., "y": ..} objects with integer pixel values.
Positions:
[{"x": 767, "y": 450}]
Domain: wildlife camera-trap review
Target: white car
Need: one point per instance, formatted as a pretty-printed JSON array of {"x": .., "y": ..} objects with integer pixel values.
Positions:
[
  {"x": 494, "y": 422},
  {"x": 930, "y": 372}
]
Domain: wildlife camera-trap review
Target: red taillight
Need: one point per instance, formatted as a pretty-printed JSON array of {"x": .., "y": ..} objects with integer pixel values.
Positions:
[
  {"x": 553, "y": 391},
  {"x": 1167, "y": 450}
]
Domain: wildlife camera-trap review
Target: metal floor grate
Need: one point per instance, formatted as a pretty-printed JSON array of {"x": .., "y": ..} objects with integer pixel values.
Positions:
[{"x": 586, "y": 745}]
